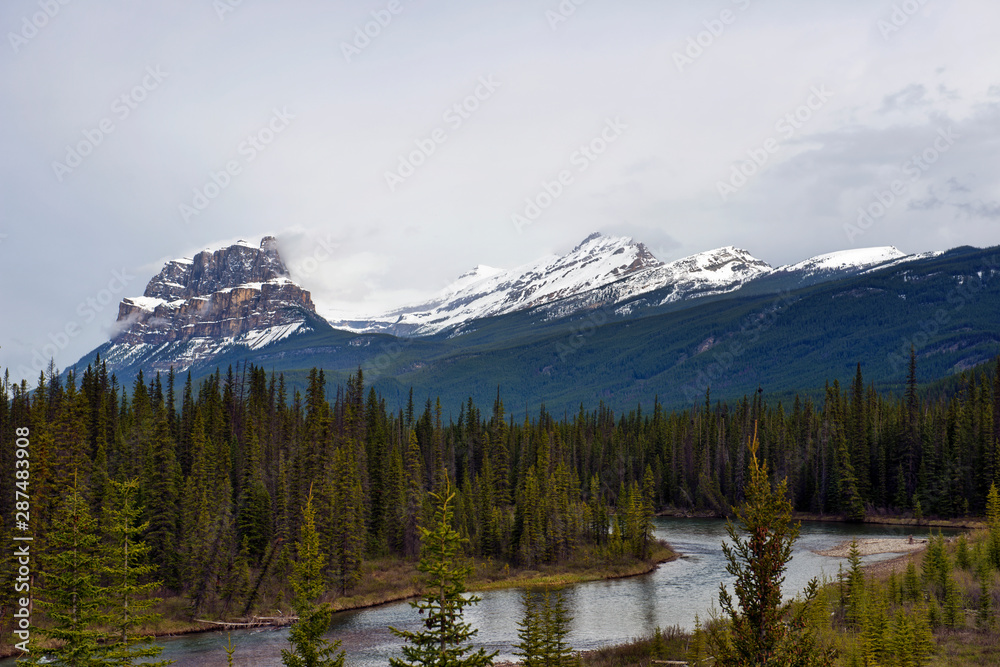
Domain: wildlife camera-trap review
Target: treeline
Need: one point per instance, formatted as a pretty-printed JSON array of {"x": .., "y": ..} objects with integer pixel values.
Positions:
[{"x": 225, "y": 468}]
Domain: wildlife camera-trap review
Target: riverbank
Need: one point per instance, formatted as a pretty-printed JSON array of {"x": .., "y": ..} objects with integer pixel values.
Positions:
[
  {"x": 880, "y": 519},
  {"x": 389, "y": 580},
  {"x": 385, "y": 581},
  {"x": 871, "y": 546}
]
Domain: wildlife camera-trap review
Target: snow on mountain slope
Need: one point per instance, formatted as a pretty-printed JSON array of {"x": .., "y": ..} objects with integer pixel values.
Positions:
[
  {"x": 706, "y": 273},
  {"x": 856, "y": 258},
  {"x": 905, "y": 258},
  {"x": 197, "y": 308},
  {"x": 484, "y": 291},
  {"x": 600, "y": 270},
  {"x": 603, "y": 271}
]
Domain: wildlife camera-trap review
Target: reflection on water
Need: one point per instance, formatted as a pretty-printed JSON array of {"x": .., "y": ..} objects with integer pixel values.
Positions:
[{"x": 604, "y": 612}]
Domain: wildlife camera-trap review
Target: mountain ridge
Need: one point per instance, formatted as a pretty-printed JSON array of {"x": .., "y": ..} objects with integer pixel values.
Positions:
[
  {"x": 195, "y": 308},
  {"x": 563, "y": 284}
]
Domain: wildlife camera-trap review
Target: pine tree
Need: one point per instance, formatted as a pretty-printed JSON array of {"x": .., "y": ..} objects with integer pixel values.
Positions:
[
  {"x": 531, "y": 644},
  {"x": 759, "y": 633},
  {"x": 414, "y": 496},
  {"x": 543, "y": 629},
  {"x": 309, "y": 649},
  {"x": 855, "y": 587},
  {"x": 126, "y": 569},
  {"x": 648, "y": 512},
  {"x": 993, "y": 526},
  {"x": 984, "y": 612},
  {"x": 555, "y": 623},
  {"x": 444, "y": 641},
  {"x": 347, "y": 519},
  {"x": 72, "y": 596},
  {"x": 159, "y": 489},
  {"x": 253, "y": 519}
]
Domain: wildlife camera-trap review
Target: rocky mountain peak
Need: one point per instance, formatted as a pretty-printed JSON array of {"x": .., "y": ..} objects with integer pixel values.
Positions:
[
  {"x": 209, "y": 271},
  {"x": 201, "y": 306}
]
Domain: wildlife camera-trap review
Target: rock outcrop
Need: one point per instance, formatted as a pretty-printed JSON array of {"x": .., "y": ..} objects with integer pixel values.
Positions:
[{"x": 200, "y": 306}]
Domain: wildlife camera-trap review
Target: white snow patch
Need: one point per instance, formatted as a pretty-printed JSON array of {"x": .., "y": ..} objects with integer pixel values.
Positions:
[
  {"x": 857, "y": 258},
  {"x": 147, "y": 303}
]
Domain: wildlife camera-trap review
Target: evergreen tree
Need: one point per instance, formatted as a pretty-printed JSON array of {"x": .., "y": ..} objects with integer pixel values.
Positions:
[
  {"x": 253, "y": 519},
  {"x": 543, "y": 629},
  {"x": 760, "y": 632},
  {"x": 444, "y": 641},
  {"x": 126, "y": 569},
  {"x": 648, "y": 512},
  {"x": 531, "y": 644},
  {"x": 855, "y": 586},
  {"x": 347, "y": 519},
  {"x": 309, "y": 649},
  {"x": 555, "y": 623},
  {"x": 159, "y": 492},
  {"x": 72, "y": 596}
]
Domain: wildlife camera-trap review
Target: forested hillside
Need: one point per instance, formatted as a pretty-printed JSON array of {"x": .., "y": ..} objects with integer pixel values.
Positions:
[{"x": 224, "y": 468}]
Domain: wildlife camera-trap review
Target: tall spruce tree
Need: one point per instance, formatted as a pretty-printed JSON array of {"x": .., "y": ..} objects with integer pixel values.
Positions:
[
  {"x": 762, "y": 629},
  {"x": 309, "y": 649},
  {"x": 542, "y": 630},
  {"x": 347, "y": 519},
  {"x": 71, "y": 593},
  {"x": 127, "y": 570},
  {"x": 444, "y": 641}
]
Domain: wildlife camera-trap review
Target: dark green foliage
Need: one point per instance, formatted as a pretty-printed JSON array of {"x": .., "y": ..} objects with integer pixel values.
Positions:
[
  {"x": 71, "y": 594},
  {"x": 784, "y": 341},
  {"x": 542, "y": 630},
  {"x": 126, "y": 567},
  {"x": 309, "y": 649},
  {"x": 222, "y": 474},
  {"x": 762, "y": 629},
  {"x": 347, "y": 519},
  {"x": 856, "y": 601},
  {"x": 444, "y": 641}
]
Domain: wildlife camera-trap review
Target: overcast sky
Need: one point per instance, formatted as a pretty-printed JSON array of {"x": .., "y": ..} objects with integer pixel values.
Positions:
[{"x": 399, "y": 158}]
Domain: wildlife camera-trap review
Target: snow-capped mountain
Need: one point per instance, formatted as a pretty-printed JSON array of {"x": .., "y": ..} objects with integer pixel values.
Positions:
[
  {"x": 197, "y": 308},
  {"x": 603, "y": 271},
  {"x": 844, "y": 259},
  {"x": 484, "y": 292}
]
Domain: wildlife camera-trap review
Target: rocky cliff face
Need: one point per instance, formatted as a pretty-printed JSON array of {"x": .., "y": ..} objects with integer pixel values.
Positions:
[{"x": 196, "y": 308}]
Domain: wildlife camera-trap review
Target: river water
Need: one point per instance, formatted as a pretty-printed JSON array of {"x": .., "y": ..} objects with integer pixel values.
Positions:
[{"x": 604, "y": 612}]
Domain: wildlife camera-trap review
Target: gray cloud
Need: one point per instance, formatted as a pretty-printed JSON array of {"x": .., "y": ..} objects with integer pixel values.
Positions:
[
  {"x": 913, "y": 95},
  {"x": 203, "y": 138}
]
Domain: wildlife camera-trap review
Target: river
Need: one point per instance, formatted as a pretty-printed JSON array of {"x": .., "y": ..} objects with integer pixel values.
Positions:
[{"x": 604, "y": 612}]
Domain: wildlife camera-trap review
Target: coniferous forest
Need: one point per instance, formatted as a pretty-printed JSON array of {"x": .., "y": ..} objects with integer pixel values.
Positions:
[{"x": 211, "y": 481}]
